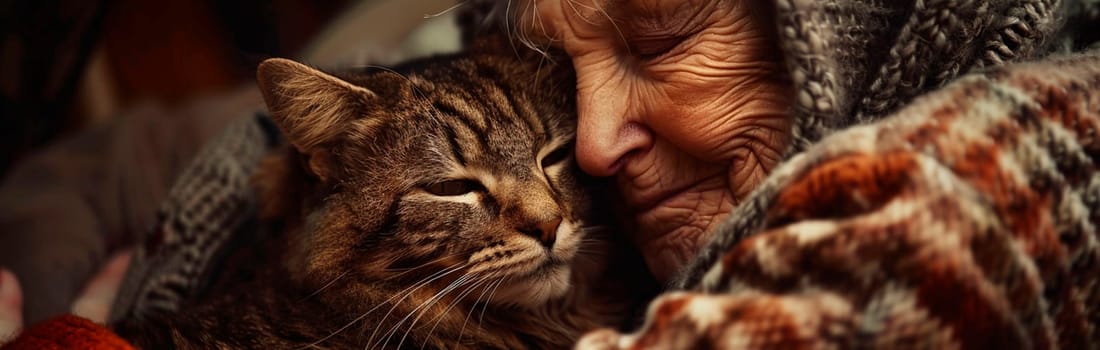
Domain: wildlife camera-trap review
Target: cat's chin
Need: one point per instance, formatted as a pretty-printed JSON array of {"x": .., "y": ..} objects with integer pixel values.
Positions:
[{"x": 535, "y": 290}]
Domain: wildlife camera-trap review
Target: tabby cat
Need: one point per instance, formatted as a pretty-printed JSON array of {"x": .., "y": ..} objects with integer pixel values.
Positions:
[{"x": 435, "y": 205}]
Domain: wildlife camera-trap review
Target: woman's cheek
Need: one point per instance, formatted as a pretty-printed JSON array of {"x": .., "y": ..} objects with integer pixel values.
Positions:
[
  {"x": 695, "y": 119},
  {"x": 717, "y": 103}
]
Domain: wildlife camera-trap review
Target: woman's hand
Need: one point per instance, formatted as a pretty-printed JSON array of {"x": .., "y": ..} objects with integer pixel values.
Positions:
[{"x": 683, "y": 101}]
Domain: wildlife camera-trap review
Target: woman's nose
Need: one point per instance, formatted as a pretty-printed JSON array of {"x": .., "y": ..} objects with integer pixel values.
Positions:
[{"x": 609, "y": 130}]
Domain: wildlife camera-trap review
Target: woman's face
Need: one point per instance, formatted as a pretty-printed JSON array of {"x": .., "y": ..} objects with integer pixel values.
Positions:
[{"x": 684, "y": 101}]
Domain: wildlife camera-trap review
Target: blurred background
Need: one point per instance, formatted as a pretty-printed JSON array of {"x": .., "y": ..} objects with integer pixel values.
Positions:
[
  {"x": 104, "y": 102},
  {"x": 67, "y": 65}
]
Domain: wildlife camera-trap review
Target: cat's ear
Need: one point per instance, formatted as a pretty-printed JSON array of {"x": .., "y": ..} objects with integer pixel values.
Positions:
[{"x": 311, "y": 107}]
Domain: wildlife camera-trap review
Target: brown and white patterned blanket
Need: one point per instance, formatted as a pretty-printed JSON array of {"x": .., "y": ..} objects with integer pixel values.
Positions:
[{"x": 916, "y": 208}]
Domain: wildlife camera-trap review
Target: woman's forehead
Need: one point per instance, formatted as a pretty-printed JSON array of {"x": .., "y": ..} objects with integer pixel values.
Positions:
[
  {"x": 624, "y": 16},
  {"x": 636, "y": 7},
  {"x": 658, "y": 6}
]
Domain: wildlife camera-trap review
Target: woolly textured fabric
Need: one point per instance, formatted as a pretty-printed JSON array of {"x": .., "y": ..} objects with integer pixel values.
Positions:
[
  {"x": 855, "y": 61},
  {"x": 207, "y": 206}
]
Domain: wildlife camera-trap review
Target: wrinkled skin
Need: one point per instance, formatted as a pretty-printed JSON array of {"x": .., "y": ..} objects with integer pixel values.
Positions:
[{"x": 683, "y": 101}]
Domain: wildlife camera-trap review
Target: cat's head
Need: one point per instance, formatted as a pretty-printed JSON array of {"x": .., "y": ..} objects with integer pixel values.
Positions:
[{"x": 458, "y": 169}]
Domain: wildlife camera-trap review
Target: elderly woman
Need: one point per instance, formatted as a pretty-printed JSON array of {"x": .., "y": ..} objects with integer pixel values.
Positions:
[{"x": 963, "y": 219}]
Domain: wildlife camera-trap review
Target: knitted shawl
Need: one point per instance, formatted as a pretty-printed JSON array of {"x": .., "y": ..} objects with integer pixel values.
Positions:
[{"x": 965, "y": 217}]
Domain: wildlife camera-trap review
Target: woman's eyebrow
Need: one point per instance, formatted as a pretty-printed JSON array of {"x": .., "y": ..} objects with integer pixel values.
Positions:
[{"x": 663, "y": 19}]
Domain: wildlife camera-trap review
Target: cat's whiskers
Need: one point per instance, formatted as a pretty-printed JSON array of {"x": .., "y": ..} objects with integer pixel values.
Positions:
[
  {"x": 411, "y": 290},
  {"x": 591, "y": 252},
  {"x": 423, "y": 282},
  {"x": 329, "y": 284},
  {"x": 489, "y": 299},
  {"x": 419, "y": 310},
  {"x": 480, "y": 282},
  {"x": 425, "y": 306},
  {"x": 592, "y": 228},
  {"x": 473, "y": 307},
  {"x": 410, "y": 269},
  {"x": 589, "y": 245},
  {"x": 593, "y": 241},
  {"x": 520, "y": 261}
]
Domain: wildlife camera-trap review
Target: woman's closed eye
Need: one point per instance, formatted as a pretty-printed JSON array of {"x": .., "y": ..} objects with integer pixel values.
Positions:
[
  {"x": 655, "y": 47},
  {"x": 454, "y": 187}
]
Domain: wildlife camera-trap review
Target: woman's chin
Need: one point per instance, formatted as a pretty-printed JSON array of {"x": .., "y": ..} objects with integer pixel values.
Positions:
[
  {"x": 666, "y": 255},
  {"x": 672, "y": 209},
  {"x": 671, "y": 234}
]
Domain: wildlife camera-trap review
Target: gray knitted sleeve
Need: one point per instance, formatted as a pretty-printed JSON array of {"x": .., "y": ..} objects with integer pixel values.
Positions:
[{"x": 209, "y": 202}]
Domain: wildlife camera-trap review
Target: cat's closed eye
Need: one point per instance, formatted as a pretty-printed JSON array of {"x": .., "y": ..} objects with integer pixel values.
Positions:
[
  {"x": 555, "y": 156},
  {"x": 454, "y": 187}
]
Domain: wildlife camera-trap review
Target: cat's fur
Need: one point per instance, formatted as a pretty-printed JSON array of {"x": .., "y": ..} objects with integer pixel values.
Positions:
[{"x": 433, "y": 206}]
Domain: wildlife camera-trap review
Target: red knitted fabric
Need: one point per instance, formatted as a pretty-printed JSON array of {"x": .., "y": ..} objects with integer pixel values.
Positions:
[{"x": 67, "y": 332}]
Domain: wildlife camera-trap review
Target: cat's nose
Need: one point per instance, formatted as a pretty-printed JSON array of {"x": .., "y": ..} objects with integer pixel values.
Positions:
[{"x": 546, "y": 232}]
